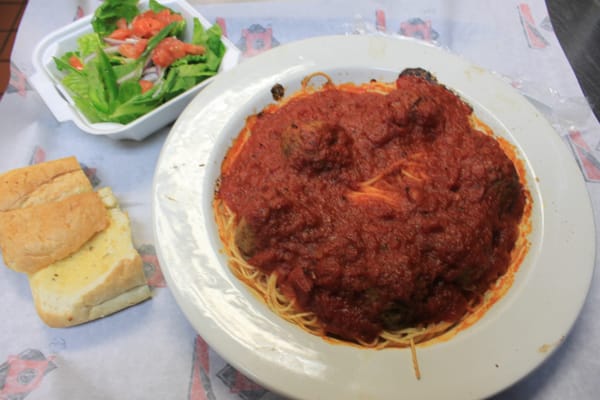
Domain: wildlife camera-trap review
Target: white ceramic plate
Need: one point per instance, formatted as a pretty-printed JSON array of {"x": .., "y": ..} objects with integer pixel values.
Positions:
[
  {"x": 47, "y": 79},
  {"x": 511, "y": 339}
]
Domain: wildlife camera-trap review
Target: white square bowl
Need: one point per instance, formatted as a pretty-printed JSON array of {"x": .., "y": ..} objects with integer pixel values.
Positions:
[{"x": 47, "y": 79}]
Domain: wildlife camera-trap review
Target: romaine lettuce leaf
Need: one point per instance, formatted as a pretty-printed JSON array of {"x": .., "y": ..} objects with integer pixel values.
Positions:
[
  {"x": 91, "y": 113},
  {"x": 62, "y": 62},
  {"x": 211, "y": 40},
  {"x": 157, "y": 7},
  {"x": 134, "y": 103},
  {"x": 214, "y": 40},
  {"x": 190, "y": 59},
  {"x": 129, "y": 71},
  {"x": 106, "y": 16},
  {"x": 77, "y": 84},
  {"x": 88, "y": 44}
]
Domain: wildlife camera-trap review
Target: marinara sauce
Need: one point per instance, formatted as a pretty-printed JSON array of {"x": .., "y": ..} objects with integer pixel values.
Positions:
[{"x": 376, "y": 211}]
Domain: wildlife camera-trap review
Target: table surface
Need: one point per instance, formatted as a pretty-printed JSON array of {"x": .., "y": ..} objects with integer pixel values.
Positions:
[{"x": 150, "y": 350}]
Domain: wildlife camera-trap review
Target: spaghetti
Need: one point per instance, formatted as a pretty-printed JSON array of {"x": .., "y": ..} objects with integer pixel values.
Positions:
[{"x": 372, "y": 214}]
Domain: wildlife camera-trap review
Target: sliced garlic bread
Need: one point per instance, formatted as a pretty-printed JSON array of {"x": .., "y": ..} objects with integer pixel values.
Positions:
[{"x": 104, "y": 276}]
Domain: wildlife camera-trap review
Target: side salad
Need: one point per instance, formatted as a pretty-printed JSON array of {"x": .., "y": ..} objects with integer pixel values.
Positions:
[{"x": 135, "y": 60}]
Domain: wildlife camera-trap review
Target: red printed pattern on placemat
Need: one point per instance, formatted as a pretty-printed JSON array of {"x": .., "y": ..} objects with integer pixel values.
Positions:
[
  {"x": 240, "y": 385},
  {"x": 534, "y": 37},
  {"x": 23, "y": 373},
  {"x": 17, "y": 82},
  {"x": 255, "y": 39},
  {"x": 200, "y": 387},
  {"x": 419, "y": 29},
  {"x": 152, "y": 270},
  {"x": 590, "y": 165}
]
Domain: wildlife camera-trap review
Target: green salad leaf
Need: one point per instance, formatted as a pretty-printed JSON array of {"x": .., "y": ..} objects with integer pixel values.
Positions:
[
  {"x": 110, "y": 11},
  {"x": 108, "y": 89},
  {"x": 63, "y": 64},
  {"x": 88, "y": 44},
  {"x": 77, "y": 83},
  {"x": 156, "y": 6},
  {"x": 188, "y": 71}
]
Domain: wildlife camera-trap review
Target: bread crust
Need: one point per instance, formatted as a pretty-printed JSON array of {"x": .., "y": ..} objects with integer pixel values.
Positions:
[
  {"x": 57, "y": 189},
  {"x": 34, "y": 237},
  {"x": 17, "y": 184}
]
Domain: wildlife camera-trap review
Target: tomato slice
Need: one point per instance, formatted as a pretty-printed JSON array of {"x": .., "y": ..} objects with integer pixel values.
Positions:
[
  {"x": 171, "y": 49},
  {"x": 76, "y": 63},
  {"x": 120, "y": 34},
  {"x": 146, "y": 27},
  {"x": 146, "y": 85},
  {"x": 166, "y": 17},
  {"x": 121, "y": 23},
  {"x": 133, "y": 50},
  {"x": 150, "y": 23}
]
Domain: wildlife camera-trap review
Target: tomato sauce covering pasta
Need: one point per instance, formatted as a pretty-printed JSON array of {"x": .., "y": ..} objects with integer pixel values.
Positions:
[{"x": 370, "y": 209}]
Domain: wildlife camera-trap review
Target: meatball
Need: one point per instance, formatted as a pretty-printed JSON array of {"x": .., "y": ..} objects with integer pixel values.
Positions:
[{"x": 316, "y": 146}]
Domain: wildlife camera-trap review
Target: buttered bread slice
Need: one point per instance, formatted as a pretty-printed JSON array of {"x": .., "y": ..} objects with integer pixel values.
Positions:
[{"x": 104, "y": 276}]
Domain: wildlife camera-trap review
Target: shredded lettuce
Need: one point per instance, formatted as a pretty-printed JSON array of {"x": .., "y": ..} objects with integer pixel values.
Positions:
[{"x": 107, "y": 89}]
